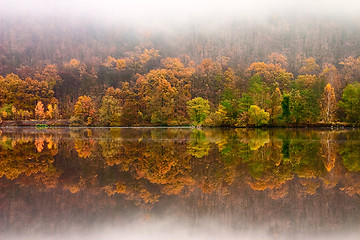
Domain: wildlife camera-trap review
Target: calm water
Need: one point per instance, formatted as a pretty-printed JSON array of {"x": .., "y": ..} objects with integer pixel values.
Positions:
[{"x": 179, "y": 184}]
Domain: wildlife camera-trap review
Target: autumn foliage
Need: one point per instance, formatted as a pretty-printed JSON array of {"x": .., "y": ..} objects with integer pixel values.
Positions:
[
  {"x": 145, "y": 89},
  {"x": 84, "y": 112}
]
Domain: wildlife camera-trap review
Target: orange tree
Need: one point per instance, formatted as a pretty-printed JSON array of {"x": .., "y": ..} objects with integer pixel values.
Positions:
[{"x": 84, "y": 112}]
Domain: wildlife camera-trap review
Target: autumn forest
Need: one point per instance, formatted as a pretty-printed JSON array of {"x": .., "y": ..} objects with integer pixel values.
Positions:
[{"x": 280, "y": 71}]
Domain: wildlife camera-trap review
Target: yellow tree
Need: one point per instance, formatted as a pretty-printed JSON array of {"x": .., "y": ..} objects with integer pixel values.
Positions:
[
  {"x": 328, "y": 104},
  {"x": 181, "y": 82},
  {"x": 110, "y": 111},
  {"x": 257, "y": 116},
  {"x": 23, "y": 94},
  {"x": 272, "y": 74},
  {"x": 157, "y": 95},
  {"x": 275, "y": 109},
  {"x": 310, "y": 66},
  {"x": 332, "y": 76},
  {"x": 50, "y": 112}
]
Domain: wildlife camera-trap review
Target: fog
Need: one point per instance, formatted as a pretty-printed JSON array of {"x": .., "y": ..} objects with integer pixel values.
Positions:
[
  {"x": 174, "y": 12},
  {"x": 38, "y": 31},
  {"x": 178, "y": 230}
]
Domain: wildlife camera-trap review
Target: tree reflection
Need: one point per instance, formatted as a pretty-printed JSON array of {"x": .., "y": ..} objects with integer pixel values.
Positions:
[
  {"x": 83, "y": 143},
  {"x": 199, "y": 146},
  {"x": 146, "y": 165},
  {"x": 28, "y": 157},
  {"x": 350, "y": 152}
]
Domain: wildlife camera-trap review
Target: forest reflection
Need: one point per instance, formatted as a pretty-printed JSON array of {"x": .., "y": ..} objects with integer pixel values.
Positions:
[
  {"x": 204, "y": 172},
  {"x": 131, "y": 161}
]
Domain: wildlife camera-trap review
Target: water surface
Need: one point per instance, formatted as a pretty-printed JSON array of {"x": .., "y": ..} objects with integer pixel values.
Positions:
[{"x": 174, "y": 183}]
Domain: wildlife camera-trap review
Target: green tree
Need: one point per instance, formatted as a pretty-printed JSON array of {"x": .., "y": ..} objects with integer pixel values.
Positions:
[
  {"x": 259, "y": 92},
  {"x": 297, "y": 107},
  {"x": 228, "y": 111},
  {"x": 285, "y": 105},
  {"x": 198, "y": 109},
  {"x": 350, "y": 102},
  {"x": 305, "y": 98},
  {"x": 244, "y": 104}
]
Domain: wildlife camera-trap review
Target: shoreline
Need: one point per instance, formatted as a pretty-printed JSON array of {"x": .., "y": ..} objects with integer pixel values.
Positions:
[
  {"x": 34, "y": 123},
  {"x": 66, "y": 123}
]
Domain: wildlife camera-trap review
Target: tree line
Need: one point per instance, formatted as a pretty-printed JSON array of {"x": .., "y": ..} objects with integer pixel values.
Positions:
[{"x": 146, "y": 89}]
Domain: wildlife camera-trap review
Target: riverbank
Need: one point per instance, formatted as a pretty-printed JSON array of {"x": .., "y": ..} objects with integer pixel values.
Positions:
[
  {"x": 34, "y": 123},
  {"x": 66, "y": 123}
]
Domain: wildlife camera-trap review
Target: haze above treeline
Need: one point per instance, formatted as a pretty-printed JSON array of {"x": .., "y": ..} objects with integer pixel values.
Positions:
[{"x": 245, "y": 31}]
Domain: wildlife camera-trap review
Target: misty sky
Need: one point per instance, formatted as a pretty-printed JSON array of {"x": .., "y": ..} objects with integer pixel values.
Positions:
[{"x": 148, "y": 11}]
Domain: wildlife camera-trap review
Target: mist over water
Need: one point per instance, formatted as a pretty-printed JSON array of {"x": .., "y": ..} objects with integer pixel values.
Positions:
[
  {"x": 154, "y": 229},
  {"x": 169, "y": 228}
]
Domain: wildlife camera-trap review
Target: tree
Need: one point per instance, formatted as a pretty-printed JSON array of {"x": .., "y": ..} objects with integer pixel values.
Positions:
[
  {"x": 50, "y": 112},
  {"x": 24, "y": 95},
  {"x": 110, "y": 111},
  {"x": 257, "y": 116},
  {"x": 275, "y": 108},
  {"x": 244, "y": 104},
  {"x": 310, "y": 66},
  {"x": 50, "y": 75},
  {"x": 208, "y": 81},
  {"x": 198, "y": 110},
  {"x": 39, "y": 110},
  {"x": 285, "y": 105},
  {"x": 84, "y": 112},
  {"x": 273, "y": 75},
  {"x": 228, "y": 111},
  {"x": 56, "y": 111},
  {"x": 350, "y": 102},
  {"x": 297, "y": 106},
  {"x": 278, "y": 60},
  {"x": 332, "y": 76},
  {"x": 157, "y": 96},
  {"x": 259, "y": 92},
  {"x": 305, "y": 98},
  {"x": 351, "y": 69},
  {"x": 328, "y": 104},
  {"x": 182, "y": 83}
]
